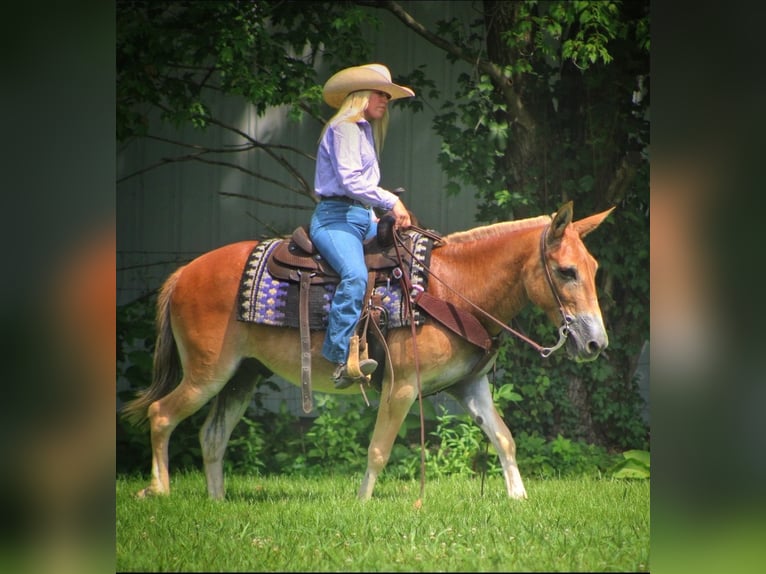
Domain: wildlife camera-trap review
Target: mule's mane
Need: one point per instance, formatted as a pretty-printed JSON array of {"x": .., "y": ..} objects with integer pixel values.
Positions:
[{"x": 496, "y": 229}]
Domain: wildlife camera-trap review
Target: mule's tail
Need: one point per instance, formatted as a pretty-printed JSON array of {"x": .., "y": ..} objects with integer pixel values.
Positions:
[{"x": 166, "y": 371}]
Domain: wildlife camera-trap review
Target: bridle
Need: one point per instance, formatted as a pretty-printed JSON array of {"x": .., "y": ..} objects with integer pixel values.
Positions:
[{"x": 566, "y": 320}]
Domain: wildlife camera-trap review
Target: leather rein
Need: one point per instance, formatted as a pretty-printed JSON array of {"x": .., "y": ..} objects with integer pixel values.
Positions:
[{"x": 566, "y": 319}]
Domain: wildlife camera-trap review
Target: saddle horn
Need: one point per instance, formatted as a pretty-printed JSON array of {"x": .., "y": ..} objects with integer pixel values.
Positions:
[{"x": 386, "y": 230}]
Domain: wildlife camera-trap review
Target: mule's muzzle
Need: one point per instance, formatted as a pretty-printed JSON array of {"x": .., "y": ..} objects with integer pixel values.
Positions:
[{"x": 587, "y": 338}]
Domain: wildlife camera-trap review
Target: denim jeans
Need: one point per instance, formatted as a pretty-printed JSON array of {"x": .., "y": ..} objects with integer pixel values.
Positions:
[{"x": 338, "y": 231}]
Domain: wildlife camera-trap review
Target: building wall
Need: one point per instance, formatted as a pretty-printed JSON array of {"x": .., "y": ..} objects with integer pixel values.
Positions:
[{"x": 172, "y": 213}]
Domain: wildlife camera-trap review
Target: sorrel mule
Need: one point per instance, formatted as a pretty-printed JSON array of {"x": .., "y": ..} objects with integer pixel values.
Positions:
[{"x": 499, "y": 269}]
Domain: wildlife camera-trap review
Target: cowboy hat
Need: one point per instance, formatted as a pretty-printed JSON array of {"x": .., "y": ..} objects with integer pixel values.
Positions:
[{"x": 367, "y": 77}]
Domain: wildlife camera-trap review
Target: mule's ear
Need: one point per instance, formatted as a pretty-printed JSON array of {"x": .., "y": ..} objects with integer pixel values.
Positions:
[
  {"x": 588, "y": 224},
  {"x": 561, "y": 219}
]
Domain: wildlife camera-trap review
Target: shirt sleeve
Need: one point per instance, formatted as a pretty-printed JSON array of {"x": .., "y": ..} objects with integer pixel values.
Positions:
[{"x": 356, "y": 165}]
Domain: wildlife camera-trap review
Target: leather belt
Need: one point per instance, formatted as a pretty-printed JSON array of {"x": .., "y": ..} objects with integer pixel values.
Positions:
[{"x": 344, "y": 199}]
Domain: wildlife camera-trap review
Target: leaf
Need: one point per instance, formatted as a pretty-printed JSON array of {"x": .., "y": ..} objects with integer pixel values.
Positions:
[
  {"x": 631, "y": 469},
  {"x": 640, "y": 456},
  {"x": 635, "y": 465}
]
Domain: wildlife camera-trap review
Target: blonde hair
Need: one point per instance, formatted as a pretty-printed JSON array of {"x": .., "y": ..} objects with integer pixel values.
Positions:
[{"x": 352, "y": 110}]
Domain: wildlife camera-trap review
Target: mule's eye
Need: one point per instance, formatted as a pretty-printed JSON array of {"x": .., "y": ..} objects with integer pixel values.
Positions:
[{"x": 568, "y": 273}]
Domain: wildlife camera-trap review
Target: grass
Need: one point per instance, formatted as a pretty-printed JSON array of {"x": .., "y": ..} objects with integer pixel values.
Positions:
[{"x": 297, "y": 524}]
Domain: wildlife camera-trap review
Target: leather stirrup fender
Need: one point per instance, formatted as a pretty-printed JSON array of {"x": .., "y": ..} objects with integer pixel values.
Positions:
[{"x": 305, "y": 334}]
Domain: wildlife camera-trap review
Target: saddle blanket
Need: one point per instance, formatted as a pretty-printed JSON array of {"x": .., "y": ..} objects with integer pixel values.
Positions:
[{"x": 269, "y": 301}]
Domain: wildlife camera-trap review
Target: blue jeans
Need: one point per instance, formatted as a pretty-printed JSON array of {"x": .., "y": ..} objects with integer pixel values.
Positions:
[{"x": 338, "y": 231}]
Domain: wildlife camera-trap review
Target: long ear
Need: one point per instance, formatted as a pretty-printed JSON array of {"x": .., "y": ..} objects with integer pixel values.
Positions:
[
  {"x": 561, "y": 219},
  {"x": 588, "y": 224}
]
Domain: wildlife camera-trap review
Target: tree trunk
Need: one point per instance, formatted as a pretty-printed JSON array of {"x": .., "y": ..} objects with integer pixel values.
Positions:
[
  {"x": 522, "y": 149},
  {"x": 578, "y": 396}
]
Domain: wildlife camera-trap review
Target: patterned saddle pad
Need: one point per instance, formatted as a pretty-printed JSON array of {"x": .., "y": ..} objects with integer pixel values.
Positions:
[{"x": 267, "y": 300}]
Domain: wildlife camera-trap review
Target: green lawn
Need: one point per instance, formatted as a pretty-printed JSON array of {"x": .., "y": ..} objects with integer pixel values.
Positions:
[{"x": 317, "y": 525}]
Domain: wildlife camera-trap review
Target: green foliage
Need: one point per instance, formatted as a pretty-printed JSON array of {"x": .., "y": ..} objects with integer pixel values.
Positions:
[
  {"x": 459, "y": 447},
  {"x": 245, "y": 451},
  {"x": 335, "y": 441},
  {"x": 504, "y": 395},
  {"x": 135, "y": 337},
  {"x": 135, "y": 344},
  {"x": 173, "y": 56},
  {"x": 635, "y": 464},
  {"x": 578, "y": 70},
  {"x": 473, "y": 141},
  {"x": 596, "y": 23},
  {"x": 560, "y": 457},
  {"x": 588, "y": 402}
]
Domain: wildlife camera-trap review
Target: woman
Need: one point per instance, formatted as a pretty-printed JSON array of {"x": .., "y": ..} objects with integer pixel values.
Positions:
[{"x": 347, "y": 183}]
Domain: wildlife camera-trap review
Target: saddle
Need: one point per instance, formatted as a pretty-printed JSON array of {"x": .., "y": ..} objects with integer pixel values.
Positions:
[{"x": 296, "y": 259}]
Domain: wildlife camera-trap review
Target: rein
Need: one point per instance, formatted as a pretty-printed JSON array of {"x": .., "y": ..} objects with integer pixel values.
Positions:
[
  {"x": 566, "y": 319},
  {"x": 407, "y": 288}
]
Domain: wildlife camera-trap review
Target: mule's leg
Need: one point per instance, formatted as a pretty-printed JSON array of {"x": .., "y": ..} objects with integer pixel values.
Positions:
[
  {"x": 476, "y": 398},
  {"x": 391, "y": 414},
  {"x": 166, "y": 413},
  {"x": 226, "y": 411}
]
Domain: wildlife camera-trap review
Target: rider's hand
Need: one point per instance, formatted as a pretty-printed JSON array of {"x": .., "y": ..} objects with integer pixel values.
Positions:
[{"x": 402, "y": 215}]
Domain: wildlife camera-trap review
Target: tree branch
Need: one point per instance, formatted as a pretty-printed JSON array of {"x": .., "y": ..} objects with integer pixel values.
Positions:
[
  {"x": 305, "y": 192},
  {"x": 229, "y": 149},
  {"x": 516, "y": 107},
  {"x": 286, "y": 165},
  {"x": 264, "y": 201},
  {"x": 304, "y": 188}
]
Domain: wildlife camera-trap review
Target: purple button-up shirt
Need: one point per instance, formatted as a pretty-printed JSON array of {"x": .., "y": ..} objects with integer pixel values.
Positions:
[{"x": 347, "y": 165}]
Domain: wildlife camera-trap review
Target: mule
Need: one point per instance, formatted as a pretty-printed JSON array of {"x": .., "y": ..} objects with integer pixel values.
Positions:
[{"x": 497, "y": 269}]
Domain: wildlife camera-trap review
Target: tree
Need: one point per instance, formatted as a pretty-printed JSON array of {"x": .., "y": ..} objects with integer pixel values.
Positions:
[
  {"x": 555, "y": 108},
  {"x": 174, "y": 58}
]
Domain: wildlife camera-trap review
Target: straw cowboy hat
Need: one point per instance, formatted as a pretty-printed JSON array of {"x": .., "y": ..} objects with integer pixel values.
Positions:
[{"x": 367, "y": 77}]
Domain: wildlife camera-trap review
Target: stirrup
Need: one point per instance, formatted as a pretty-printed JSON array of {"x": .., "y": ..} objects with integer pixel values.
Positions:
[{"x": 343, "y": 380}]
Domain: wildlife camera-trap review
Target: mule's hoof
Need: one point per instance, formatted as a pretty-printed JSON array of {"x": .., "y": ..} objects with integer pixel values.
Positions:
[
  {"x": 144, "y": 493},
  {"x": 148, "y": 492}
]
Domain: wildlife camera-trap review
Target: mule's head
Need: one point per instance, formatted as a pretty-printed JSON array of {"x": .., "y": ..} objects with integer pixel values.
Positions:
[{"x": 572, "y": 284}]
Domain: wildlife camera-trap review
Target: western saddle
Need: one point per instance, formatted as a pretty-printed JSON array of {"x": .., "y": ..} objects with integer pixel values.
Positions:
[{"x": 297, "y": 260}]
